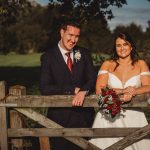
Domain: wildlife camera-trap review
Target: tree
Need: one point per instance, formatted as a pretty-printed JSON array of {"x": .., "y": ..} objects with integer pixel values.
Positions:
[
  {"x": 9, "y": 16},
  {"x": 25, "y": 33},
  {"x": 146, "y": 47},
  {"x": 86, "y": 10},
  {"x": 12, "y": 10},
  {"x": 96, "y": 36}
]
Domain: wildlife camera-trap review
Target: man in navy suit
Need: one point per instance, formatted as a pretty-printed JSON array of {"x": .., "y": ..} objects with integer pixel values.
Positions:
[{"x": 73, "y": 75}]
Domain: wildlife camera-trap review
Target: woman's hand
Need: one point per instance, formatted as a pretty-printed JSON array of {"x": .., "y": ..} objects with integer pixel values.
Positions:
[
  {"x": 126, "y": 97},
  {"x": 98, "y": 91},
  {"x": 131, "y": 90}
]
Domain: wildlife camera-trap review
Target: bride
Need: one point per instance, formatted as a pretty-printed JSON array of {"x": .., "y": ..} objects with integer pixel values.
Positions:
[{"x": 128, "y": 76}]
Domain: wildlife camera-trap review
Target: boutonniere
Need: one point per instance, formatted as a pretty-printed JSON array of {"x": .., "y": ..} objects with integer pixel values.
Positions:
[{"x": 77, "y": 55}]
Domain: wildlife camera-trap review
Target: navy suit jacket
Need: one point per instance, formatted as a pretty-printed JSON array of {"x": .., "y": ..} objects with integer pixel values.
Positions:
[{"x": 56, "y": 78}]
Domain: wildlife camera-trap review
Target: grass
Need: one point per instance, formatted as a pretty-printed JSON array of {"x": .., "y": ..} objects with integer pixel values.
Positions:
[
  {"x": 22, "y": 70},
  {"x": 16, "y": 60},
  {"x": 33, "y": 60},
  {"x": 25, "y": 76}
]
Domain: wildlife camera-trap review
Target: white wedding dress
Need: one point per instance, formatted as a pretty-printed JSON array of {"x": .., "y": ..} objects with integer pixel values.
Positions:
[{"x": 132, "y": 118}]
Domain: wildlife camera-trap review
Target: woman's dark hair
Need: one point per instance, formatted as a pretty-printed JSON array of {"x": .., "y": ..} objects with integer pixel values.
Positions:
[{"x": 126, "y": 37}]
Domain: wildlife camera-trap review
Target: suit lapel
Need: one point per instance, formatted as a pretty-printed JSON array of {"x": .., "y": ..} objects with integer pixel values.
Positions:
[{"x": 60, "y": 60}]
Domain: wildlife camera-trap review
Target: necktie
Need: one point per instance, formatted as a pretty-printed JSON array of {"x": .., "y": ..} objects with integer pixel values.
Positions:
[{"x": 69, "y": 61}]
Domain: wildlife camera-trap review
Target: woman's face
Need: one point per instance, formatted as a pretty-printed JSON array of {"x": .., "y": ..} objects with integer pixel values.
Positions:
[{"x": 123, "y": 48}]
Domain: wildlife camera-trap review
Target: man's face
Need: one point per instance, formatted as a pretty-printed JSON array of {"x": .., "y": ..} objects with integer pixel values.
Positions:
[{"x": 69, "y": 37}]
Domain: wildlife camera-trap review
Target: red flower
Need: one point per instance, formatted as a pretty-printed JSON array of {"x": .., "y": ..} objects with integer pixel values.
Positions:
[{"x": 109, "y": 102}]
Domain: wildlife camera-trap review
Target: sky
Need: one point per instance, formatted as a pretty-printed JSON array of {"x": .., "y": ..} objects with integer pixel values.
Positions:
[{"x": 137, "y": 11}]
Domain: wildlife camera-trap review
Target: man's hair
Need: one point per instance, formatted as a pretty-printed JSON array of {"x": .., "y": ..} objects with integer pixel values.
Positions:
[{"x": 70, "y": 23}]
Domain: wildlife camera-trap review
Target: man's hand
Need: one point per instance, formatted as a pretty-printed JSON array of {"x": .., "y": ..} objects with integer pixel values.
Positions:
[{"x": 79, "y": 98}]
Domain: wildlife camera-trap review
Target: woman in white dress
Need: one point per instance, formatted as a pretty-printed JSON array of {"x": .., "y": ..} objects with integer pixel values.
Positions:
[{"x": 128, "y": 76}]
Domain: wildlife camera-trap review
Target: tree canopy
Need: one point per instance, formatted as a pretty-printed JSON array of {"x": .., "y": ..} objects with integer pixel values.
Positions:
[
  {"x": 86, "y": 10},
  {"x": 27, "y": 27}
]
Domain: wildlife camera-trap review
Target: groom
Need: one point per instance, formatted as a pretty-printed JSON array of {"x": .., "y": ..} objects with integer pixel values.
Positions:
[{"x": 68, "y": 69}]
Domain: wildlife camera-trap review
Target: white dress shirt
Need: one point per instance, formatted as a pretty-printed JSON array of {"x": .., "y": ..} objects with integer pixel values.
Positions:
[{"x": 63, "y": 52}]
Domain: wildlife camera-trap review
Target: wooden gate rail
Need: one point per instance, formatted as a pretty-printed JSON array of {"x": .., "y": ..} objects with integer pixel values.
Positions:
[
  {"x": 42, "y": 120},
  {"x": 73, "y": 132},
  {"x": 142, "y": 132},
  {"x": 130, "y": 139},
  {"x": 24, "y": 103},
  {"x": 60, "y": 101}
]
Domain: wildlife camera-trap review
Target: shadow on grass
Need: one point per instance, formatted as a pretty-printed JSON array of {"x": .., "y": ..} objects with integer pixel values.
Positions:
[{"x": 25, "y": 76}]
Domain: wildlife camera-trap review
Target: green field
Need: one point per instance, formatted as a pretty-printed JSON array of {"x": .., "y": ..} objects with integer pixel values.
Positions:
[
  {"x": 16, "y": 60},
  {"x": 33, "y": 60}
]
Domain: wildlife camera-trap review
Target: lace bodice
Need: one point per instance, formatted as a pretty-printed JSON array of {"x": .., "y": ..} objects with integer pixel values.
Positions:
[{"x": 115, "y": 82}]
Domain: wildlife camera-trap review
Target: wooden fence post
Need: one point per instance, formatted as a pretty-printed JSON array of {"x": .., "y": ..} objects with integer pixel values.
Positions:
[
  {"x": 44, "y": 143},
  {"x": 3, "y": 121},
  {"x": 16, "y": 119}
]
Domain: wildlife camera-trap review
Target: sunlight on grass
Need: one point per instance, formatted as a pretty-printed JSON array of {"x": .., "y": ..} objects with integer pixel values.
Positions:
[
  {"x": 33, "y": 60},
  {"x": 16, "y": 60}
]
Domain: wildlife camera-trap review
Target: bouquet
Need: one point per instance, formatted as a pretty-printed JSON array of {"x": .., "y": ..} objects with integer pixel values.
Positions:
[{"x": 109, "y": 102}]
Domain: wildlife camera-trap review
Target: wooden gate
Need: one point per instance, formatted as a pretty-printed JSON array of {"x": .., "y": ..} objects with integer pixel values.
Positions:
[{"x": 22, "y": 103}]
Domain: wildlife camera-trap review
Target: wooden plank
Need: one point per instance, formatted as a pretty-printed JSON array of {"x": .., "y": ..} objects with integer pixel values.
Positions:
[
  {"x": 49, "y": 123},
  {"x": 17, "y": 90},
  {"x": 130, "y": 139},
  {"x": 2, "y": 90},
  {"x": 3, "y": 120},
  {"x": 44, "y": 143},
  {"x": 16, "y": 119},
  {"x": 73, "y": 132},
  {"x": 60, "y": 101},
  {"x": 3, "y": 129}
]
